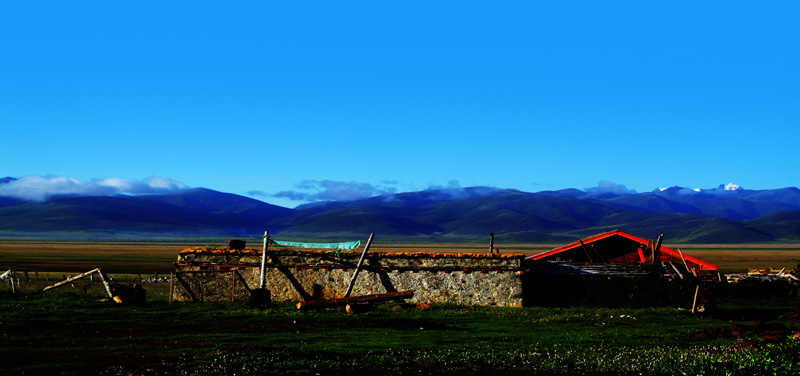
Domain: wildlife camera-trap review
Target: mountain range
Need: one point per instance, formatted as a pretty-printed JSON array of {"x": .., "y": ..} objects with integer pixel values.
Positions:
[{"x": 726, "y": 214}]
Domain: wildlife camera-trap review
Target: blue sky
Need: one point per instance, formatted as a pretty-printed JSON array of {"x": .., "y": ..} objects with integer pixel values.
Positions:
[{"x": 324, "y": 100}]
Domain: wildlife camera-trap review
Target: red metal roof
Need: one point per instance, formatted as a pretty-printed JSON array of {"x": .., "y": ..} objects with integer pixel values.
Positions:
[{"x": 672, "y": 254}]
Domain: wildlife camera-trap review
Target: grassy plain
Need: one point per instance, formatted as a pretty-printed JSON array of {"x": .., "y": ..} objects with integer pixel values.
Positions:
[
  {"x": 74, "y": 330},
  {"x": 79, "y": 333}
]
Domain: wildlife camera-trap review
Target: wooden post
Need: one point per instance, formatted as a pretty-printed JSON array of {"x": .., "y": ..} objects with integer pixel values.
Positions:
[
  {"x": 106, "y": 284},
  {"x": 263, "y": 278},
  {"x": 694, "y": 304},
  {"x": 11, "y": 278},
  {"x": 657, "y": 248},
  {"x": 358, "y": 267},
  {"x": 491, "y": 243},
  {"x": 171, "y": 285}
]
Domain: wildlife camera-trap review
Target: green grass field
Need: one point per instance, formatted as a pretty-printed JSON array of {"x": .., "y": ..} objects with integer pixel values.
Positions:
[{"x": 76, "y": 330}]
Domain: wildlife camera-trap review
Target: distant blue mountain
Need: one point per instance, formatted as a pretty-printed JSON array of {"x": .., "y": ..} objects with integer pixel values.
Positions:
[
  {"x": 196, "y": 212},
  {"x": 717, "y": 215}
]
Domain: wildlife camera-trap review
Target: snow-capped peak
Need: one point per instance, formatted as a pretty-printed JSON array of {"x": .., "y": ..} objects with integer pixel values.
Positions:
[
  {"x": 732, "y": 187},
  {"x": 677, "y": 190}
]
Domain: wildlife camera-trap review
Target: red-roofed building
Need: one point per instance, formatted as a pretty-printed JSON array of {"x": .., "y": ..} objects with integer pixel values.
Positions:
[{"x": 619, "y": 247}]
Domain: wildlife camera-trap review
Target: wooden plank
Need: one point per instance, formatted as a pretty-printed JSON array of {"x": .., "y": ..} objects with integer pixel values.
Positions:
[
  {"x": 358, "y": 267},
  {"x": 331, "y": 303}
]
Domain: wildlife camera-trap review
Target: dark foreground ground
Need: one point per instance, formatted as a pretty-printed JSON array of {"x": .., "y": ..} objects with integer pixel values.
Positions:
[{"x": 75, "y": 330}]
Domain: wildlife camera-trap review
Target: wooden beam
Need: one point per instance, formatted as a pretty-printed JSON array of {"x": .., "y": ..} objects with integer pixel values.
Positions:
[
  {"x": 358, "y": 267},
  {"x": 685, "y": 263},
  {"x": 68, "y": 280},
  {"x": 675, "y": 268},
  {"x": 336, "y": 302}
]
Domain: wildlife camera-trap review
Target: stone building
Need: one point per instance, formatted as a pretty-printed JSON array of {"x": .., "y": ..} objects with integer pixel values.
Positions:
[{"x": 297, "y": 275}]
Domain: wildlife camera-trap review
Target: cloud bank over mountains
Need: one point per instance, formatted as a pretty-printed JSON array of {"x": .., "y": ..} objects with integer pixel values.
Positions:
[
  {"x": 331, "y": 190},
  {"x": 40, "y": 188}
]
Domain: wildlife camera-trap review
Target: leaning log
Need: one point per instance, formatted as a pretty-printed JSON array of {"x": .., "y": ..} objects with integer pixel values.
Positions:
[
  {"x": 79, "y": 276},
  {"x": 336, "y": 302}
]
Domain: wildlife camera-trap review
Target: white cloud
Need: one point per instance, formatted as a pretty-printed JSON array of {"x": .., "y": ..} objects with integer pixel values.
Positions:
[
  {"x": 39, "y": 188},
  {"x": 454, "y": 191},
  {"x": 605, "y": 186}
]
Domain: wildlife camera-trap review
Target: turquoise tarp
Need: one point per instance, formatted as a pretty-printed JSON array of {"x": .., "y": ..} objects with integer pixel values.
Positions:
[{"x": 342, "y": 246}]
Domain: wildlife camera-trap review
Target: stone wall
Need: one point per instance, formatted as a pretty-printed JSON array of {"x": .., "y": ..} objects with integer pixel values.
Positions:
[{"x": 482, "y": 279}]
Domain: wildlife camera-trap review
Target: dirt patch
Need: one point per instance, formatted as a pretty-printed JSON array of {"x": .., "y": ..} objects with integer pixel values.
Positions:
[
  {"x": 753, "y": 336},
  {"x": 771, "y": 331}
]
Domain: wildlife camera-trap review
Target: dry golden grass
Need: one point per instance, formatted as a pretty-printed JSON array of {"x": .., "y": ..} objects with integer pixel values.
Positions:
[
  {"x": 738, "y": 258},
  {"x": 68, "y": 256},
  {"x": 149, "y": 257},
  {"x": 525, "y": 249}
]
